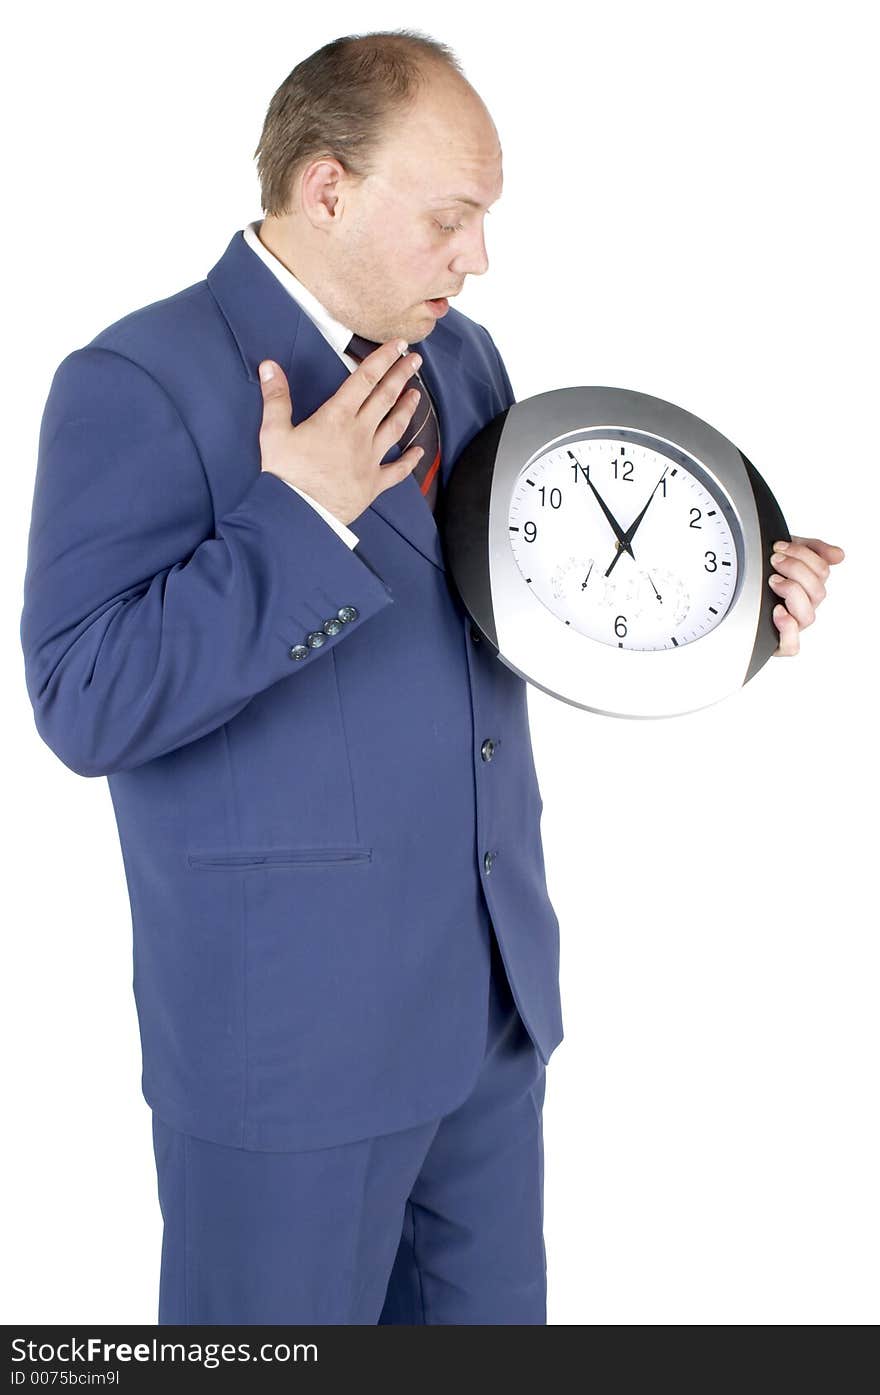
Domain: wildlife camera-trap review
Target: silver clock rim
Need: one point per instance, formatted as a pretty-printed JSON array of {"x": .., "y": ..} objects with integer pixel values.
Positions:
[{"x": 572, "y": 666}]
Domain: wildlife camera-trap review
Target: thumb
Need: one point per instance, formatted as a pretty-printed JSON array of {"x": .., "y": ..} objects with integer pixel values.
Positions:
[{"x": 277, "y": 406}]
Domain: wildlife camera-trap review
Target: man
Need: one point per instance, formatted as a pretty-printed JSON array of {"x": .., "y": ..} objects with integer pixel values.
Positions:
[{"x": 237, "y": 609}]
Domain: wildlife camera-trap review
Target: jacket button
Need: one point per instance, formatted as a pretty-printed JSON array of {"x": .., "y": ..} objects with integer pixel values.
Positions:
[
  {"x": 347, "y": 613},
  {"x": 488, "y": 859},
  {"x": 487, "y": 750},
  {"x": 299, "y": 651},
  {"x": 316, "y": 639},
  {"x": 332, "y": 626},
  {"x": 475, "y": 636}
]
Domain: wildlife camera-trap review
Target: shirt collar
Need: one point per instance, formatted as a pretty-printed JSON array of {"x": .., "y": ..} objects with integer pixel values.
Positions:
[{"x": 335, "y": 333}]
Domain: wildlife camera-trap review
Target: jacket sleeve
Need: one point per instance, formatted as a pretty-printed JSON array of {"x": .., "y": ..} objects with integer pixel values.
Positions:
[{"x": 147, "y": 622}]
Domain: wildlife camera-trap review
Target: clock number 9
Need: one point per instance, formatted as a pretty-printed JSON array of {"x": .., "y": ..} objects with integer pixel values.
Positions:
[{"x": 530, "y": 537}]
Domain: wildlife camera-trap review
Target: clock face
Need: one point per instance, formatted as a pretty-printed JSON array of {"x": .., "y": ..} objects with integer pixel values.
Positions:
[{"x": 573, "y": 506}]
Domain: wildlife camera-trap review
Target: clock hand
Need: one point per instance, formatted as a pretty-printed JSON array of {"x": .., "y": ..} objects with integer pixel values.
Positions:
[
  {"x": 631, "y": 530},
  {"x": 656, "y": 592},
  {"x": 618, "y": 531}
]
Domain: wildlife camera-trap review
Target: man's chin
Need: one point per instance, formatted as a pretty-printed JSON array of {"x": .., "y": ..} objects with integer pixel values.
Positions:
[
  {"x": 419, "y": 328},
  {"x": 427, "y": 317},
  {"x": 416, "y": 327}
]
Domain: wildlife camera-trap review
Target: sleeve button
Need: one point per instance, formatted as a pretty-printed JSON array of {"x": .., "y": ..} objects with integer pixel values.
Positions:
[
  {"x": 299, "y": 651},
  {"x": 316, "y": 639},
  {"x": 347, "y": 613}
]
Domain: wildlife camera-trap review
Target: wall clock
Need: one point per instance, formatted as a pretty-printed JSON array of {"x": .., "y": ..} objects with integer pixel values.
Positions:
[{"x": 614, "y": 550}]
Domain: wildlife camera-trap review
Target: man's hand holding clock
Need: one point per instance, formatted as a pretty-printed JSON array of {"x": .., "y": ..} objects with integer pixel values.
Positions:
[{"x": 803, "y": 567}]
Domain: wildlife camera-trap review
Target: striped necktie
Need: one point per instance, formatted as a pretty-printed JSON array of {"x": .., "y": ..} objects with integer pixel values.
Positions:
[{"x": 422, "y": 429}]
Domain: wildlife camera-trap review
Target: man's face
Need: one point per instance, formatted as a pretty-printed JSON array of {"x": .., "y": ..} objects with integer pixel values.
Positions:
[{"x": 391, "y": 250}]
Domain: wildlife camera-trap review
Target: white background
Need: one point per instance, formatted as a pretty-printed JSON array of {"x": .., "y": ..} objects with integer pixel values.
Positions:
[{"x": 687, "y": 211}]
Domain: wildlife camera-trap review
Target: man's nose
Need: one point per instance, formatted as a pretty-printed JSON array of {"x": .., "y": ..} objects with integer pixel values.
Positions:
[{"x": 471, "y": 259}]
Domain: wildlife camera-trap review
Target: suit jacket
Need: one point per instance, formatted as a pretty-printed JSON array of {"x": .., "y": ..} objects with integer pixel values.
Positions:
[{"x": 322, "y": 779}]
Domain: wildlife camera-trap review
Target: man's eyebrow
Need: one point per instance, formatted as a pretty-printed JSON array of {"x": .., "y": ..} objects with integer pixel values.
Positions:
[{"x": 458, "y": 198}]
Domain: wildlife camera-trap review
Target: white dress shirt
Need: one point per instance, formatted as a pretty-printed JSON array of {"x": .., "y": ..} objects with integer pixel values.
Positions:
[{"x": 335, "y": 333}]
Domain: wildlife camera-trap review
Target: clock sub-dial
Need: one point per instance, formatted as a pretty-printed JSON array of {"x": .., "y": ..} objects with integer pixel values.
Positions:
[
  {"x": 628, "y": 591},
  {"x": 635, "y": 590},
  {"x": 624, "y": 543}
]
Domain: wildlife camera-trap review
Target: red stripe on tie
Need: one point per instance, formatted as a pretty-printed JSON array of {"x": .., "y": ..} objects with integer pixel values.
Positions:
[{"x": 426, "y": 482}]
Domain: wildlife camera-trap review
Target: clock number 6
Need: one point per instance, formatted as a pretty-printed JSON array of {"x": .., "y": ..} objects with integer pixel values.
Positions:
[{"x": 620, "y": 626}]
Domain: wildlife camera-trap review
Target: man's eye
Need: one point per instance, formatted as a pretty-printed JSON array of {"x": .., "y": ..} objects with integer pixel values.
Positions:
[{"x": 443, "y": 228}]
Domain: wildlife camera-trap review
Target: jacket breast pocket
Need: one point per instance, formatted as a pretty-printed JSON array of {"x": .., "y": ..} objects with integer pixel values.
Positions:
[{"x": 226, "y": 859}]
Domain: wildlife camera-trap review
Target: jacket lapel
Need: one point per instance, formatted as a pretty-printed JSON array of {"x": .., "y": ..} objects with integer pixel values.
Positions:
[{"x": 267, "y": 322}]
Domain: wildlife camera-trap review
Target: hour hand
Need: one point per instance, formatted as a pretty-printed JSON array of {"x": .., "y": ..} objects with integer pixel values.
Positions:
[{"x": 625, "y": 540}]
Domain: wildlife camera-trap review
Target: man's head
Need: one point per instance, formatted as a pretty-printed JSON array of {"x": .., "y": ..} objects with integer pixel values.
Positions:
[{"x": 367, "y": 150}]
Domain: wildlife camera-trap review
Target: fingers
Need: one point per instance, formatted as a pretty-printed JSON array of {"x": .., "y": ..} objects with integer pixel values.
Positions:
[
  {"x": 389, "y": 475},
  {"x": 805, "y": 551},
  {"x": 801, "y": 568},
  {"x": 828, "y": 552},
  {"x": 789, "y": 633},
  {"x": 803, "y": 573},
  {"x": 385, "y": 394},
  {"x": 383, "y": 366},
  {"x": 392, "y": 427},
  {"x": 797, "y": 602}
]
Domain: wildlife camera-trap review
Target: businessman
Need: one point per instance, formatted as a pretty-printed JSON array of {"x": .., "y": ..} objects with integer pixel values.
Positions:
[{"x": 237, "y": 610}]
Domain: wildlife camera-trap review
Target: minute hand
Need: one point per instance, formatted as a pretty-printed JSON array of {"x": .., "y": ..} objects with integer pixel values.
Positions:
[
  {"x": 631, "y": 530},
  {"x": 618, "y": 531}
]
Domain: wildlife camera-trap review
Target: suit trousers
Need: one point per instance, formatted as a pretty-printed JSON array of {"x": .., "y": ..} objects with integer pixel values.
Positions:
[{"x": 441, "y": 1223}]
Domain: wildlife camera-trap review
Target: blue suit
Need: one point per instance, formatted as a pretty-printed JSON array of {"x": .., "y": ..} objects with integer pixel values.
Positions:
[{"x": 314, "y": 848}]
